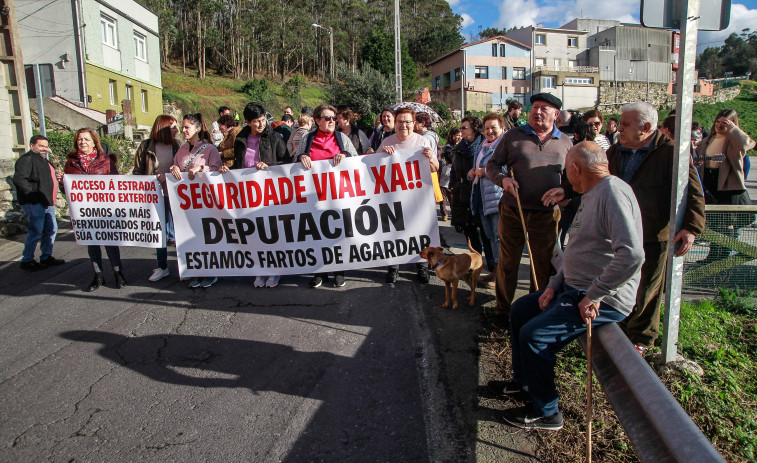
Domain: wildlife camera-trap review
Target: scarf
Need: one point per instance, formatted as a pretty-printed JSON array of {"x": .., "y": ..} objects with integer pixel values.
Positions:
[{"x": 86, "y": 159}]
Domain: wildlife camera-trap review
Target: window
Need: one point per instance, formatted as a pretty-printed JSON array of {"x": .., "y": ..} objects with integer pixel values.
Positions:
[
  {"x": 557, "y": 62},
  {"x": 144, "y": 101},
  {"x": 438, "y": 82},
  {"x": 140, "y": 46},
  {"x": 128, "y": 92},
  {"x": 539, "y": 61},
  {"x": 540, "y": 39},
  {"x": 548, "y": 82},
  {"x": 579, "y": 80},
  {"x": 457, "y": 74},
  {"x": 112, "y": 89},
  {"x": 572, "y": 63},
  {"x": 501, "y": 49},
  {"x": 519, "y": 73},
  {"x": 109, "y": 30},
  {"x": 494, "y": 49},
  {"x": 482, "y": 72},
  {"x": 573, "y": 41},
  {"x": 504, "y": 72}
]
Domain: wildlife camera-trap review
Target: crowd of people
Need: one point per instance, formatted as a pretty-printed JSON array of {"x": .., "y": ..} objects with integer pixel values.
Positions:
[{"x": 593, "y": 207}]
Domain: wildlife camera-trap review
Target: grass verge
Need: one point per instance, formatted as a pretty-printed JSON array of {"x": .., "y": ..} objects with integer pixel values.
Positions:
[{"x": 721, "y": 336}]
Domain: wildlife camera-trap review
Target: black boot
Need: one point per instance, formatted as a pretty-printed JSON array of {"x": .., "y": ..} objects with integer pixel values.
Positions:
[
  {"x": 96, "y": 282},
  {"x": 120, "y": 280}
]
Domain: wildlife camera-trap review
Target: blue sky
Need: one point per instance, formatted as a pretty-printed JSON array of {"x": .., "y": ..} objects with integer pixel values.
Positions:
[{"x": 554, "y": 13}]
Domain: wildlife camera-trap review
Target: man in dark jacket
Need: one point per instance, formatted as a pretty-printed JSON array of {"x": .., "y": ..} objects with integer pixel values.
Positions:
[
  {"x": 644, "y": 158},
  {"x": 514, "y": 109},
  {"x": 37, "y": 187}
]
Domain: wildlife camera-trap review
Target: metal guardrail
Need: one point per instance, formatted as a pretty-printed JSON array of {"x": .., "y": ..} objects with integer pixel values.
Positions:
[{"x": 658, "y": 427}]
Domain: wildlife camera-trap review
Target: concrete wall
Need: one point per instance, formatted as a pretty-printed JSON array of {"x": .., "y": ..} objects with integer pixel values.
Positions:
[
  {"x": 637, "y": 91},
  {"x": 47, "y": 36},
  {"x": 474, "y": 100}
]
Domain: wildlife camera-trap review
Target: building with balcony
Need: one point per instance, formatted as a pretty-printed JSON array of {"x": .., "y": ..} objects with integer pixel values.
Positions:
[
  {"x": 94, "y": 53},
  {"x": 490, "y": 72},
  {"x": 560, "y": 63}
]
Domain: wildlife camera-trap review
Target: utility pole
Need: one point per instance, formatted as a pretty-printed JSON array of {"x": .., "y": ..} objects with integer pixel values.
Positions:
[
  {"x": 686, "y": 78},
  {"x": 397, "y": 52},
  {"x": 330, "y": 30}
]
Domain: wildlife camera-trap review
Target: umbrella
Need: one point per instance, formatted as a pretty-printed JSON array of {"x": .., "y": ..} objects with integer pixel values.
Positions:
[{"x": 418, "y": 108}]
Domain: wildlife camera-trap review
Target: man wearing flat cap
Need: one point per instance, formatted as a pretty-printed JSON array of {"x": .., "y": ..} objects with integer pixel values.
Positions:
[{"x": 530, "y": 158}]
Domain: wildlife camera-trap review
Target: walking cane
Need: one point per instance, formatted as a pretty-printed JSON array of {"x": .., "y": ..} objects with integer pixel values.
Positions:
[
  {"x": 588, "y": 392},
  {"x": 525, "y": 233}
]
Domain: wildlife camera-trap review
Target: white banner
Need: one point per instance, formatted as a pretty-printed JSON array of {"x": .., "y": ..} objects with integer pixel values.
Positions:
[
  {"x": 117, "y": 210},
  {"x": 368, "y": 211}
]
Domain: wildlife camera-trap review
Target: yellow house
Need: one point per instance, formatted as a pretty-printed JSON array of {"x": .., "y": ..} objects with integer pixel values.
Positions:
[{"x": 109, "y": 52}]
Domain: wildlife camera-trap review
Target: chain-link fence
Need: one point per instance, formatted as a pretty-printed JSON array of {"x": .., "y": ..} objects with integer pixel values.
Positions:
[{"x": 725, "y": 254}]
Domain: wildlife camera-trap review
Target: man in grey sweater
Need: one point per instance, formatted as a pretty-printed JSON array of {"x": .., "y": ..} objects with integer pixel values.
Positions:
[{"x": 598, "y": 280}]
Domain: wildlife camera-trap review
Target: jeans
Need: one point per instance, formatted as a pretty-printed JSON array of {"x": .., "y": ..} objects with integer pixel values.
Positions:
[
  {"x": 490, "y": 224},
  {"x": 96, "y": 256},
  {"x": 162, "y": 253},
  {"x": 42, "y": 229},
  {"x": 536, "y": 336}
]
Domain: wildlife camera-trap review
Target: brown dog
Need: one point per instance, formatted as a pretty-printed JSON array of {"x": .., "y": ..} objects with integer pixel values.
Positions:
[{"x": 451, "y": 269}]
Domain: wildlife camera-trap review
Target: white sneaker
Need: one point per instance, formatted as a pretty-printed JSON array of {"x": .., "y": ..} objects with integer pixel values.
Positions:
[
  {"x": 208, "y": 282},
  {"x": 259, "y": 282},
  {"x": 272, "y": 281},
  {"x": 159, "y": 274}
]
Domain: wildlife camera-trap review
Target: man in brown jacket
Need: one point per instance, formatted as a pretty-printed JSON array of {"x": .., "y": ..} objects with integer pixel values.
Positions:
[{"x": 645, "y": 159}]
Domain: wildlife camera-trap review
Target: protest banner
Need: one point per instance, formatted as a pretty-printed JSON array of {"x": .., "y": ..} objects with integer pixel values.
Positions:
[
  {"x": 368, "y": 211},
  {"x": 116, "y": 210}
]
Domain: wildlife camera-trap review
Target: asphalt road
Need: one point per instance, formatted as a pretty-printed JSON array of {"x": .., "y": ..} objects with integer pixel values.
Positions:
[{"x": 159, "y": 372}]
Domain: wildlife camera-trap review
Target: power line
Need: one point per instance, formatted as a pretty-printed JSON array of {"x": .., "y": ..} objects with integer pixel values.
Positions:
[{"x": 38, "y": 9}]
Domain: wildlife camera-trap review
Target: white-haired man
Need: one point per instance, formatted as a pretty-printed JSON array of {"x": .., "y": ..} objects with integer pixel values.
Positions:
[
  {"x": 644, "y": 158},
  {"x": 598, "y": 281}
]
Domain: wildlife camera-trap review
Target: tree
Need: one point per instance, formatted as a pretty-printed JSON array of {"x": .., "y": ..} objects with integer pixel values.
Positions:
[
  {"x": 736, "y": 54},
  {"x": 366, "y": 91},
  {"x": 709, "y": 63},
  {"x": 378, "y": 52},
  {"x": 490, "y": 32}
]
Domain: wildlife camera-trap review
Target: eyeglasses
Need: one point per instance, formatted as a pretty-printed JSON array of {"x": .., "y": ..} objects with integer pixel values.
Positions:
[
  {"x": 329, "y": 118},
  {"x": 595, "y": 124},
  {"x": 405, "y": 122}
]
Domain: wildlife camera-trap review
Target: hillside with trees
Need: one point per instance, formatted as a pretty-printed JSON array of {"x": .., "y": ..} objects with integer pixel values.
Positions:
[
  {"x": 244, "y": 39},
  {"x": 737, "y": 55}
]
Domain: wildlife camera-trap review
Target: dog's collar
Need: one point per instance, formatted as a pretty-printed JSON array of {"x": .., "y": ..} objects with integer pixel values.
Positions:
[{"x": 437, "y": 264}]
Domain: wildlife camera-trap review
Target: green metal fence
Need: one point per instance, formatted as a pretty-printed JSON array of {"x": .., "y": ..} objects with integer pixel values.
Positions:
[{"x": 725, "y": 254}]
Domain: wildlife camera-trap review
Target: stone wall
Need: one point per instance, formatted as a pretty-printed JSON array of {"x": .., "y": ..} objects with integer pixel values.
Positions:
[{"x": 658, "y": 95}]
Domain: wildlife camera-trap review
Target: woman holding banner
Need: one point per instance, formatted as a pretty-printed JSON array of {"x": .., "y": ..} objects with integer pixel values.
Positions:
[
  {"x": 258, "y": 146},
  {"x": 405, "y": 137},
  {"x": 155, "y": 157},
  {"x": 89, "y": 158},
  {"x": 325, "y": 143},
  {"x": 197, "y": 155}
]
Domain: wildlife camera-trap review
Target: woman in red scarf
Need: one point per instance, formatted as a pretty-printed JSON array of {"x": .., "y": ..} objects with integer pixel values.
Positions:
[{"x": 89, "y": 158}]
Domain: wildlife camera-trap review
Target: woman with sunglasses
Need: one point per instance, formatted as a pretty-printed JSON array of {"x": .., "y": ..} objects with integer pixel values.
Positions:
[
  {"x": 197, "y": 155},
  {"x": 322, "y": 144}
]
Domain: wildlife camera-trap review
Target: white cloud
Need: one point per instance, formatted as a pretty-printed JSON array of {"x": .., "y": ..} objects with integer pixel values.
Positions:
[
  {"x": 518, "y": 13},
  {"x": 741, "y": 18},
  {"x": 453, "y": 2},
  {"x": 627, "y": 12},
  {"x": 467, "y": 20}
]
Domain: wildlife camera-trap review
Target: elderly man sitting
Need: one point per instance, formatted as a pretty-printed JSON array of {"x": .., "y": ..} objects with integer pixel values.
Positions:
[{"x": 598, "y": 280}]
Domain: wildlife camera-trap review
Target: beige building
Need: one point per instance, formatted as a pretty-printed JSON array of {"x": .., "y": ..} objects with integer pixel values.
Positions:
[{"x": 491, "y": 72}]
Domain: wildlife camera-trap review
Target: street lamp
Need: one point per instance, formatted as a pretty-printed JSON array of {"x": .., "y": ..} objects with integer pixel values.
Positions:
[{"x": 331, "y": 44}]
